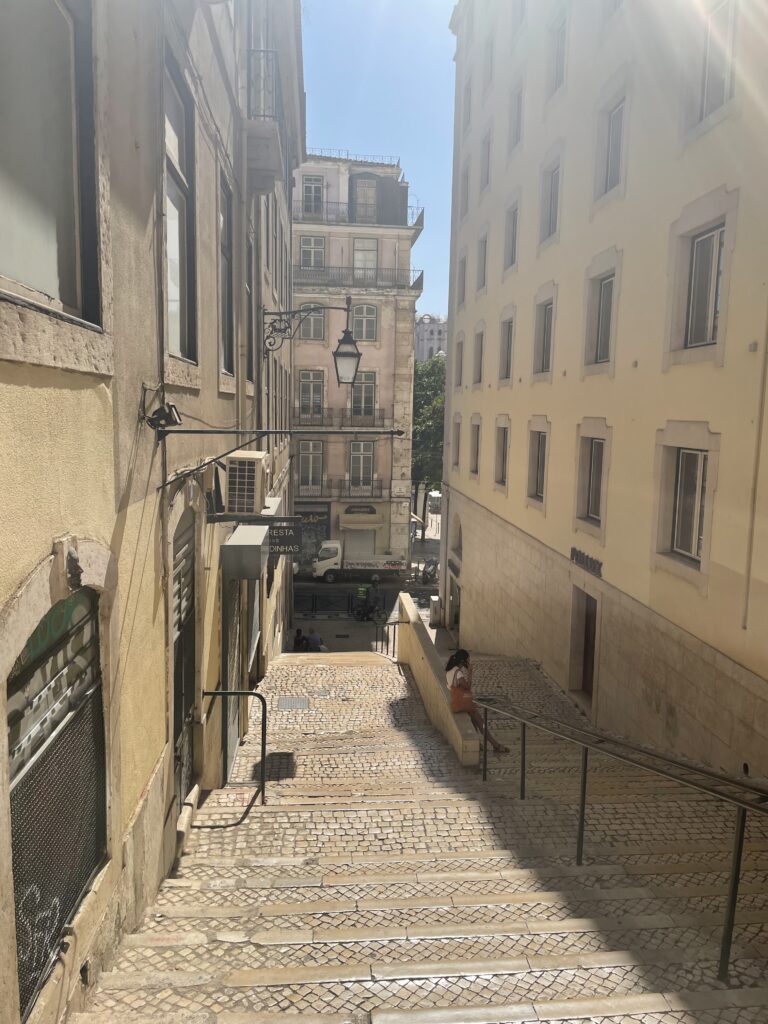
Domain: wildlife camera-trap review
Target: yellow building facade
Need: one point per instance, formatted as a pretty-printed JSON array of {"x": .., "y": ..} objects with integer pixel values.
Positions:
[{"x": 606, "y": 465}]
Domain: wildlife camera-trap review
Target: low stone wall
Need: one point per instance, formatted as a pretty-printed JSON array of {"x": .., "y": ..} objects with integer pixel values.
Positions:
[{"x": 416, "y": 650}]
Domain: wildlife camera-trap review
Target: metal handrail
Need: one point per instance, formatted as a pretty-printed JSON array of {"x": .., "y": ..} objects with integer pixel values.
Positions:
[
  {"x": 263, "y": 701},
  {"x": 632, "y": 753},
  {"x": 358, "y": 158},
  {"x": 383, "y": 632}
]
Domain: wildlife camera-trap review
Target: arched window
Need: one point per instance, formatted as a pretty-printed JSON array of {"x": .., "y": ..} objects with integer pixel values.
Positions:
[
  {"x": 313, "y": 325},
  {"x": 364, "y": 323}
]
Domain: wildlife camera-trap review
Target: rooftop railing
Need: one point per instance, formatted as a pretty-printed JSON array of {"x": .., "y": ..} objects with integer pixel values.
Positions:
[
  {"x": 344, "y": 154},
  {"x": 311, "y": 211}
]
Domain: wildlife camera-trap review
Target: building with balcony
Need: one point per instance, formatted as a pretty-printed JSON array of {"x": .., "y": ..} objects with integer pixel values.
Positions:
[
  {"x": 146, "y": 221},
  {"x": 606, "y": 465},
  {"x": 352, "y": 235},
  {"x": 431, "y": 336}
]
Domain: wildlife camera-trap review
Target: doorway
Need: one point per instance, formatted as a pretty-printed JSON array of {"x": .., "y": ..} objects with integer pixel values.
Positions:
[
  {"x": 454, "y": 606},
  {"x": 183, "y": 653},
  {"x": 584, "y": 643}
]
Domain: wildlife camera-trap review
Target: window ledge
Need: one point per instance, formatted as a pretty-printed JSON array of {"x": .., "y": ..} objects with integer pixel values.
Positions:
[
  {"x": 26, "y": 337},
  {"x": 695, "y": 354},
  {"x": 550, "y": 240},
  {"x": 505, "y": 382},
  {"x": 541, "y": 377},
  {"x": 537, "y": 503},
  {"x": 477, "y": 385},
  {"x": 597, "y": 369},
  {"x": 595, "y": 529},
  {"x": 501, "y": 488},
  {"x": 474, "y": 475},
  {"x": 508, "y": 271},
  {"x": 512, "y": 153},
  {"x": 711, "y": 121},
  {"x": 227, "y": 382},
  {"x": 685, "y": 568},
  {"x": 599, "y": 202},
  {"x": 182, "y": 373},
  {"x": 483, "y": 290}
]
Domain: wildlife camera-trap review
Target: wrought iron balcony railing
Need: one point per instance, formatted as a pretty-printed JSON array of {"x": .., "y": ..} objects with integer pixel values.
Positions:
[
  {"x": 361, "y": 418},
  {"x": 320, "y": 212},
  {"x": 313, "y": 417},
  {"x": 356, "y": 277},
  {"x": 324, "y": 489},
  {"x": 371, "y": 489}
]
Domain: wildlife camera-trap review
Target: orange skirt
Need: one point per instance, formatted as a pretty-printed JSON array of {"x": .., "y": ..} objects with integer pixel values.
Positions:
[{"x": 461, "y": 700}]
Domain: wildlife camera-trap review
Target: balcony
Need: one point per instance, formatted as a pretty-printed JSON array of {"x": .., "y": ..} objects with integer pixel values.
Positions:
[
  {"x": 267, "y": 153},
  {"x": 357, "y": 277},
  {"x": 312, "y": 417},
  {"x": 320, "y": 212},
  {"x": 374, "y": 418},
  {"x": 372, "y": 489},
  {"x": 325, "y": 489}
]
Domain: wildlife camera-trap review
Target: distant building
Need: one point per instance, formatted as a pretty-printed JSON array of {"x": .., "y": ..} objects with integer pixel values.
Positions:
[{"x": 431, "y": 336}]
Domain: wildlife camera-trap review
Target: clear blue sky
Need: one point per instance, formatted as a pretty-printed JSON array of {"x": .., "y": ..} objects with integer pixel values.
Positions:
[{"x": 379, "y": 79}]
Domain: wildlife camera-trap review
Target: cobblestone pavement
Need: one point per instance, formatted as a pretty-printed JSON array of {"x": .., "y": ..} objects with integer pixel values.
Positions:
[{"x": 384, "y": 884}]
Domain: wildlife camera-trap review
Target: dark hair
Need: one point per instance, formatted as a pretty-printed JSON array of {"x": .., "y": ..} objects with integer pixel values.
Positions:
[
  {"x": 298, "y": 632},
  {"x": 460, "y": 657}
]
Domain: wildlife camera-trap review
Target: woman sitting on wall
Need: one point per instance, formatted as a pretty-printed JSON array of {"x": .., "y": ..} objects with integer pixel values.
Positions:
[{"x": 459, "y": 673}]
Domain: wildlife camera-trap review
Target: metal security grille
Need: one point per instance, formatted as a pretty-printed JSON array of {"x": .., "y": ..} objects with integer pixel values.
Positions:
[
  {"x": 241, "y": 486},
  {"x": 58, "y": 832},
  {"x": 183, "y": 651}
]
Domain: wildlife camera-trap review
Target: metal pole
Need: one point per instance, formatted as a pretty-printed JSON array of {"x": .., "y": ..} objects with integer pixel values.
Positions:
[
  {"x": 522, "y": 760},
  {"x": 485, "y": 744},
  {"x": 262, "y": 699},
  {"x": 582, "y": 805},
  {"x": 733, "y": 893}
]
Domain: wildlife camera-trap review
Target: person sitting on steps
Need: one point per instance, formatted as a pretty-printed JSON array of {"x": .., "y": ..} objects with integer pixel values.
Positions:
[{"x": 459, "y": 673}]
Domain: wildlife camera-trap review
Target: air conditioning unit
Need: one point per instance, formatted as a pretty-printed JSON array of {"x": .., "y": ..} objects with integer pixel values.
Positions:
[{"x": 245, "y": 483}]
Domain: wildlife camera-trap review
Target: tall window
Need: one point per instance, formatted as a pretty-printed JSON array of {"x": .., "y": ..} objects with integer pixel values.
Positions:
[
  {"x": 510, "y": 237},
  {"x": 311, "y": 392},
  {"x": 593, "y": 508},
  {"x": 482, "y": 262},
  {"x": 365, "y": 260},
  {"x": 690, "y": 492},
  {"x": 365, "y": 201},
  {"x": 461, "y": 284},
  {"x": 249, "y": 355},
  {"x": 557, "y": 57},
  {"x": 612, "y": 161},
  {"x": 361, "y": 463},
  {"x": 502, "y": 447},
  {"x": 537, "y": 470},
  {"x": 474, "y": 448},
  {"x": 488, "y": 63},
  {"x": 515, "y": 118},
  {"x": 505, "y": 355},
  {"x": 485, "y": 162},
  {"x": 602, "y": 345},
  {"x": 704, "y": 287},
  {"x": 364, "y": 394},
  {"x": 550, "y": 201},
  {"x": 364, "y": 323},
  {"x": 226, "y": 286},
  {"x": 312, "y": 194},
  {"x": 464, "y": 192},
  {"x": 543, "y": 348},
  {"x": 456, "y": 443},
  {"x": 459, "y": 374},
  {"x": 477, "y": 375},
  {"x": 717, "y": 65},
  {"x": 310, "y": 464},
  {"x": 179, "y": 222},
  {"x": 312, "y": 249},
  {"x": 467, "y": 106},
  {"x": 313, "y": 325}
]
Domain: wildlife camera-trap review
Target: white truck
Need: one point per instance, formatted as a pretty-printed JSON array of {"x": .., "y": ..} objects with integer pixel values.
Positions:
[{"x": 330, "y": 564}]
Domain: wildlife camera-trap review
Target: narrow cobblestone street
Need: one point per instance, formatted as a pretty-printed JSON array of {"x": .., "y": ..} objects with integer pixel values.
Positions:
[{"x": 383, "y": 883}]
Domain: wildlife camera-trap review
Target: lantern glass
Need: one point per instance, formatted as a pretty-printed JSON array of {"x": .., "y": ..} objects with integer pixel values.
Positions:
[{"x": 346, "y": 358}]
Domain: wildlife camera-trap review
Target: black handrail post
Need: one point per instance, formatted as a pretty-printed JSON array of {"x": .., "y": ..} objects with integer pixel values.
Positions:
[
  {"x": 733, "y": 893},
  {"x": 485, "y": 744},
  {"x": 582, "y": 805},
  {"x": 522, "y": 760}
]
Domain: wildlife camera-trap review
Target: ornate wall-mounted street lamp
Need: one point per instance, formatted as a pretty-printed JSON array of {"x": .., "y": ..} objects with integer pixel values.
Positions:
[{"x": 279, "y": 327}]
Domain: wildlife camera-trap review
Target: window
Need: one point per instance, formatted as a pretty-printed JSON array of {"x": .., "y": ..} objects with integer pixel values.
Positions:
[
  {"x": 510, "y": 237},
  {"x": 502, "y": 447},
  {"x": 612, "y": 166},
  {"x": 312, "y": 199},
  {"x": 226, "y": 280},
  {"x": 474, "y": 448},
  {"x": 459, "y": 362},
  {"x": 365, "y": 201},
  {"x": 716, "y": 72},
  {"x": 267, "y": 236},
  {"x": 249, "y": 355},
  {"x": 364, "y": 394},
  {"x": 543, "y": 345},
  {"x": 557, "y": 57},
  {"x": 311, "y": 392},
  {"x": 602, "y": 345},
  {"x": 488, "y": 63},
  {"x": 310, "y": 464},
  {"x": 462, "y": 282},
  {"x": 705, "y": 287},
  {"x": 485, "y": 162},
  {"x": 482, "y": 261},
  {"x": 364, "y": 323},
  {"x": 464, "y": 192},
  {"x": 48, "y": 206},
  {"x": 456, "y": 443},
  {"x": 550, "y": 201},
  {"x": 361, "y": 463},
  {"x": 593, "y": 509},
  {"x": 313, "y": 325},
  {"x": 477, "y": 376},
  {"x": 505, "y": 355},
  {"x": 365, "y": 260},
  {"x": 515, "y": 118},
  {"x": 312, "y": 249},
  {"x": 467, "y": 106},
  {"x": 690, "y": 493},
  {"x": 179, "y": 223},
  {"x": 273, "y": 201},
  {"x": 537, "y": 470}
]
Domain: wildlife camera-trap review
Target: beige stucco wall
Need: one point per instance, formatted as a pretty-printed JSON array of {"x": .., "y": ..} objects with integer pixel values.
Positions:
[{"x": 646, "y": 51}]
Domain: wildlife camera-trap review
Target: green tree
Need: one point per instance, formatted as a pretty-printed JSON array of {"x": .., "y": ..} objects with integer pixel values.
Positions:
[{"x": 428, "y": 415}]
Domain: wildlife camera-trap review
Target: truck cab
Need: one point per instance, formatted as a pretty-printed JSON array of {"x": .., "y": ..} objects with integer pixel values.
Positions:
[{"x": 327, "y": 565}]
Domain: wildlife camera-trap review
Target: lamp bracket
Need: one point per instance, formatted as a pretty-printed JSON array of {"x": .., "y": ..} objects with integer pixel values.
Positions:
[{"x": 279, "y": 324}]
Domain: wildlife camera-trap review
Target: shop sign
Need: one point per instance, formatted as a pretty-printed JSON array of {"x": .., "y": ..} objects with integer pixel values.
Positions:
[
  {"x": 360, "y": 510},
  {"x": 285, "y": 540}
]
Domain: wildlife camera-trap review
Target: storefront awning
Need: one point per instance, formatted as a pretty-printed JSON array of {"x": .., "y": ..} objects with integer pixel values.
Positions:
[{"x": 360, "y": 522}]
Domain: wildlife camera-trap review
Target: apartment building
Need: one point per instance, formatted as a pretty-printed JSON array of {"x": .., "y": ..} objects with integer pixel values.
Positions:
[
  {"x": 431, "y": 336},
  {"x": 352, "y": 236},
  {"x": 606, "y": 467},
  {"x": 145, "y": 208}
]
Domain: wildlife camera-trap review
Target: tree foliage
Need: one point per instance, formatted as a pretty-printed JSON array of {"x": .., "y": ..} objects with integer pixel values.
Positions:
[{"x": 428, "y": 414}]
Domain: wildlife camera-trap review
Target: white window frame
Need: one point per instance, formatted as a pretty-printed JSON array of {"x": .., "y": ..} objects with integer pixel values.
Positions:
[
  {"x": 482, "y": 262},
  {"x": 591, "y": 432},
  {"x": 311, "y": 392},
  {"x": 699, "y": 458},
  {"x": 478, "y": 356},
  {"x": 459, "y": 362},
  {"x": 515, "y": 123},
  {"x": 511, "y": 234},
  {"x": 361, "y": 459},
  {"x": 475, "y": 441},
  {"x": 706, "y": 111},
  {"x": 558, "y": 52},
  {"x": 538, "y": 462},
  {"x": 310, "y": 204},
  {"x": 456, "y": 442},
  {"x": 544, "y": 341},
  {"x": 312, "y": 327},
  {"x": 312, "y": 252},
  {"x": 613, "y": 157},
  {"x": 501, "y": 454},
  {"x": 311, "y": 456},
  {"x": 365, "y": 317},
  {"x": 714, "y": 285},
  {"x": 551, "y": 183},
  {"x": 485, "y": 161},
  {"x": 507, "y": 348}
]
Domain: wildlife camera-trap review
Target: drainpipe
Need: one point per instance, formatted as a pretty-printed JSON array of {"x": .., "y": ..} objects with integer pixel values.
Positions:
[
  {"x": 242, "y": 240},
  {"x": 755, "y": 480}
]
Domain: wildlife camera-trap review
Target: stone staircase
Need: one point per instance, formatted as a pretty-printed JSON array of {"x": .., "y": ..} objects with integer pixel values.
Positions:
[{"x": 384, "y": 884}]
